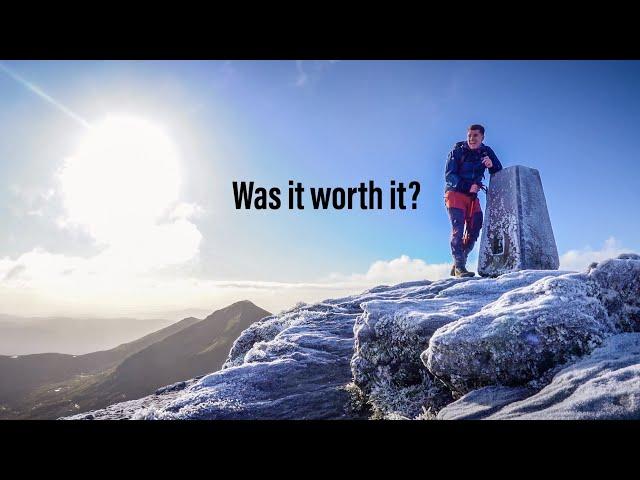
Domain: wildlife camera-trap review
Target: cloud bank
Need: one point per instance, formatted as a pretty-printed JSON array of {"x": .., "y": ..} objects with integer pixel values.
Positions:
[
  {"x": 578, "y": 260},
  {"x": 42, "y": 283}
]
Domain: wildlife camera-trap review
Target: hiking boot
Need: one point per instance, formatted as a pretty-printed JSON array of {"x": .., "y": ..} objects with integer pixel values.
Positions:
[
  {"x": 453, "y": 270},
  {"x": 463, "y": 272}
]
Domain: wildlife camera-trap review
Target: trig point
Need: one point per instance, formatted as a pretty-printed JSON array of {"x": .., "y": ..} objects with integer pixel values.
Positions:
[{"x": 517, "y": 233}]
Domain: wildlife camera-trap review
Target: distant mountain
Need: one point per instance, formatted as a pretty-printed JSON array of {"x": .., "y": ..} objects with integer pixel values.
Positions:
[
  {"x": 196, "y": 350},
  {"x": 19, "y": 375},
  {"x": 74, "y": 336},
  {"x": 53, "y": 385}
]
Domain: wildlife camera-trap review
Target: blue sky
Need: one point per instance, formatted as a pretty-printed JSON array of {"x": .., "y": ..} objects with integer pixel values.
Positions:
[{"x": 323, "y": 124}]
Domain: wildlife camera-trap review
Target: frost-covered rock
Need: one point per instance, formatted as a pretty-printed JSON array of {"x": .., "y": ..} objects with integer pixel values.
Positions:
[
  {"x": 520, "y": 336},
  {"x": 618, "y": 288},
  {"x": 291, "y": 365},
  {"x": 391, "y": 334},
  {"x": 603, "y": 385},
  {"x": 528, "y": 331},
  {"x": 482, "y": 402}
]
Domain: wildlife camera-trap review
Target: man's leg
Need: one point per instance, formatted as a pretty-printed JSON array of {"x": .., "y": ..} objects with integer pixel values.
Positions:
[
  {"x": 473, "y": 226},
  {"x": 456, "y": 215}
]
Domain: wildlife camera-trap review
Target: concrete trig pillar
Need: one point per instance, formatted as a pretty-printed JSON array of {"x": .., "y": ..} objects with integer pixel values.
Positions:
[{"x": 517, "y": 233}]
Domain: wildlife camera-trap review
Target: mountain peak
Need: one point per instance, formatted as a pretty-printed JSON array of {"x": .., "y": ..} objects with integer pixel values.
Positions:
[{"x": 240, "y": 306}]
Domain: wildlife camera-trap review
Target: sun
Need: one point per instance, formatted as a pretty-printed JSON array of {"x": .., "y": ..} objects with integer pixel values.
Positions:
[{"x": 124, "y": 173}]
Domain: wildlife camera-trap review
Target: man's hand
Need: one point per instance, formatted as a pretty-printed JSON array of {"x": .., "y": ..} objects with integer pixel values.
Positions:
[
  {"x": 474, "y": 188},
  {"x": 486, "y": 161}
]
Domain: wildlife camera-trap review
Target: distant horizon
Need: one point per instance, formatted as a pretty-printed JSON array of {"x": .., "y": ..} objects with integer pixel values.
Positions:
[
  {"x": 201, "y": 313},
  {"x": 80, "y": 316}
]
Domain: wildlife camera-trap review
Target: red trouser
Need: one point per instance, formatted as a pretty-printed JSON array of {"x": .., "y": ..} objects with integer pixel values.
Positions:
[{"x": 465, "y": 214}]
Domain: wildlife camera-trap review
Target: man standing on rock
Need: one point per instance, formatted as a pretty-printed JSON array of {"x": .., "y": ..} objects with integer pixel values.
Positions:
[{"x": 464, "y": 173}]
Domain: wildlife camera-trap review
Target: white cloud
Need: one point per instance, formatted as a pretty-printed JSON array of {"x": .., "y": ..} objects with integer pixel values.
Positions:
[
  {"x": 123, "y": 282},
  {"x": 186, "y": 210},
  {"x": 32, "y": 200},
  {"x": 398, "y": 270},
  {"x": 42, "y": 283},
  {"x": 579, "y": 260}
]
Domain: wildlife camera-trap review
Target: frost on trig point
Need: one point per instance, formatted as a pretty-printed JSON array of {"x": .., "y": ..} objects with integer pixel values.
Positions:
[{"x": 517, "y": 232}]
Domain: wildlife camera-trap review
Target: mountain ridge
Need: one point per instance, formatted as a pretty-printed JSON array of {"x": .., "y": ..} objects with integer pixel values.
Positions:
[{"x": 95, "y": 378}]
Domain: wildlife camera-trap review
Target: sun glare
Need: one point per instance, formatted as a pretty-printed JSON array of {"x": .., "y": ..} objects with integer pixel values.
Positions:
[{"x": 125, "y": 172}]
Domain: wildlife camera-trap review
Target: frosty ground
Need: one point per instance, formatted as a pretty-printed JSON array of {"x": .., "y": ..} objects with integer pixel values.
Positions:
[{"x": 530, "y": 344}]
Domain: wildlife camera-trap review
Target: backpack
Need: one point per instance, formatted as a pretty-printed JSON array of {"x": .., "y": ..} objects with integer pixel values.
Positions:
[{"x": 483, "y": 152}]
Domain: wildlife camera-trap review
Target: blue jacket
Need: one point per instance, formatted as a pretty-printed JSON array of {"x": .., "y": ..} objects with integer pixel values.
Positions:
[{"x": 465, "y": 167}]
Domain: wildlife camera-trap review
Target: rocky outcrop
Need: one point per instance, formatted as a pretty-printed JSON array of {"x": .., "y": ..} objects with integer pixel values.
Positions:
[
  {"x": 531, "y": 330},
  {"x": 520, "y": 336},
  {"x": 291, "y": 365},
  {"x": 527, "y": 344},
  {"x": 602, "y": 385},
  {"x": 481, "y": 403},
  {"x": 390, "y": 336}
]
